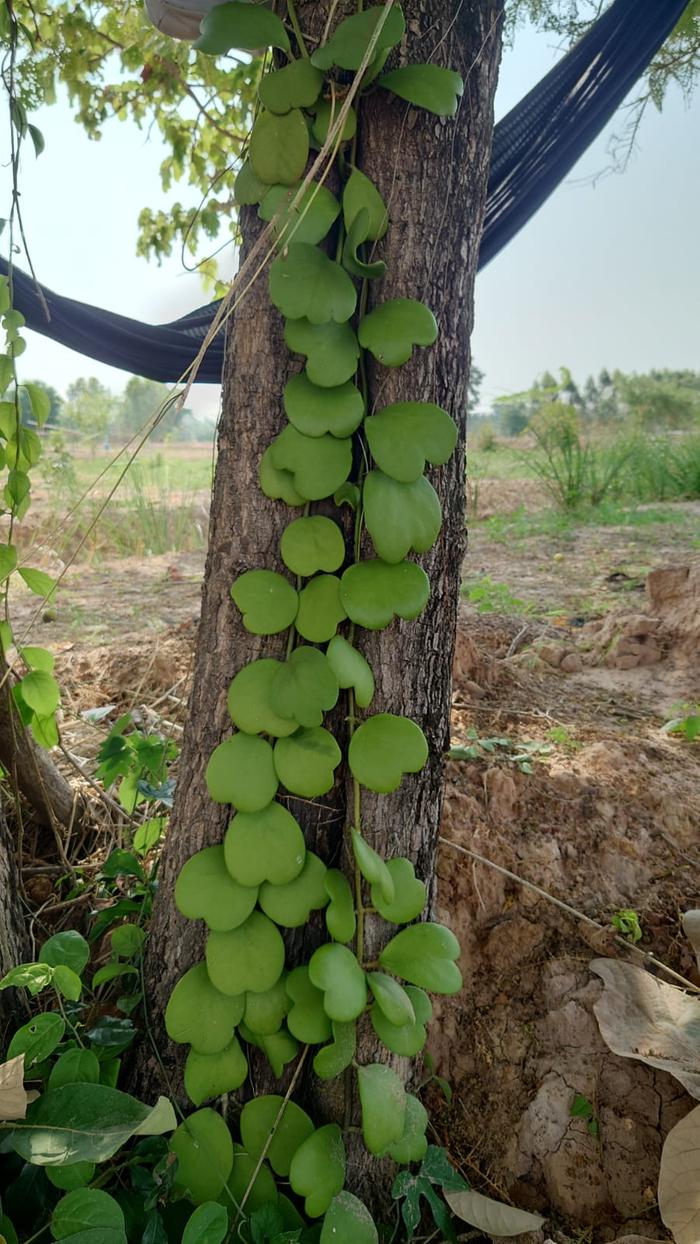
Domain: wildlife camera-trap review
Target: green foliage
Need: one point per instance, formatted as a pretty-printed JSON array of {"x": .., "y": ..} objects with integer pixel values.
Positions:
[
  {"x": 582, "y": 1108},
  {"x": 685, "y": 723},
  {"x": 626, "y": 921},
  {"x": 490, "y": 597}
]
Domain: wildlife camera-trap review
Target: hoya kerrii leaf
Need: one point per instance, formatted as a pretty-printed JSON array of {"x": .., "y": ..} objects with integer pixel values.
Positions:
[
  {"x": 247, "y": 189},
  {"x": 371, "y": 865},
  {"x": 241, "y": 771},
  {"x": 278, "y": 485},
  {"x": 240, "y": 25},
  {"x": 264, "y": 1012},
  {"x": 374, "y": 592},
  {"x": 363, "y": 269},
  {"x": 326, "y": 120},
  {"x": 317, "y": 1171},
  {"x": 391, "y": 999},
  {"x": 204, "y": 1150},
  {"x": 68, "y": 948},
  {"x": 292, "y": 1126},
  {"x": 211, "y": 1075},
  {"x": 307, "y": 1019},
  {"x": 413, "y": 1145},
  {"x": 393, "y": 328},
  {"x": 401, "y": 518},
  {"x": 195, "y": 996},
  {"x": 360, "y": 194},
  {"x": 381, "y": 750},
  {"x": 305, "y": 686},
  {"x": 335, "y": 970},
  {"x": 261, "y": 1191},
  {"x": 425, "y": 955},
  {"x": 340, "y": 913},
  {"x": 348, "y": 1221},
  {"x": 264, "y": 846},
  {"x": 205, "y": 890},
  {"x": 383, "y": 1102},
  {"x": 491, "y": 1217},
  {"x": 291, "y": 905},
  {"x": 249, "y": 958},
  {"x": 349, "y": 42},
  {"x": 279, "y": 147},
  {"x": 320, "y": 609},
  {"x": 267, "y": 600},
  {"x": 318, "y": 465},
  {"x": 315, "y": 411},
  {"x": 311, "y": 544},
  {"x": 351, "y": 669},
  {"x": 207, "y": 1225},
  {"x": 306, "y": 283},
  {"x": 331, "y": 351},
  {"x": 88, "y": 1212},
  {"x": 333, "y": 1059},
  {"x": 299, "y": 215},
  {"x": 279, "y": 1048},
  {"x": 427, "y": 86},
  {"x": 306, "y": 762},
  {"x": 409, "y": 893},
  {"x": 403, "y": 437},
  {"x": 298, "y": 85},
  {"x": 250, "y": 700}
]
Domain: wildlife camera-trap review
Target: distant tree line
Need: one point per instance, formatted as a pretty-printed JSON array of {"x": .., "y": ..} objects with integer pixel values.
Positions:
[{"x": 92, "y": 411}]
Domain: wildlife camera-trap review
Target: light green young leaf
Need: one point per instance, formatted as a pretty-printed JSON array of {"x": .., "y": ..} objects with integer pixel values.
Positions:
[
  {"x": 310, "y": 219},
  {"x": 403, "y": 437},
  {"x": 371, "y": 865},
  {"x": 251, "y": 703},
  {"x": 393, "y": 328},
  {"x": 258, "y": 1118},
  {"x": 312, "y": 544},
  {"x": 317, "y": 1170},
  {"x": 267, "y": 601},
  {"x": 381, "y": 751},
  {"x": 249, "y": 958},
  {"x": 307, "y": 1019},
  {"x": 315, "y": 411},
  {"x": 195, "y": 996},
  {"x": 306, "y": 762},
  {"x": 320, "y": 609},
  {"x": 264, "y": 846},
  {"x": 331, "y": 350},
  {"x": 318, "y": 465},
  {"x": 426, "y": 86},
  {"x": 425, "y": 955},
  {"x": 306, "y": 284},
  {"x": 205, "y": 890},
  {"x": 335, "y": 970},
  {"x": 383, "y": 1102},
  {"x": 360, "y": 194},
  {"x": 401, "y": 518},
  {"x": 373, "y": 592},
  {"x": 241, "y": 772}
]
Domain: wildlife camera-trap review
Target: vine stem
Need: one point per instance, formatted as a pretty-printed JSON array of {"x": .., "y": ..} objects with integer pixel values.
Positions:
[{"x": 292, "y": 14}]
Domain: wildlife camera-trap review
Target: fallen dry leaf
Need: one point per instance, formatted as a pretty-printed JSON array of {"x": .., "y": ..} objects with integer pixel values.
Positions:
[
  {"x": 642, "y": 1017},
  {"x": 679, "y": 1180},
  {"x": 13, "y": 1096},
  {"x": 491, "y": 1216},
  {"x": 691, "y": 927}
]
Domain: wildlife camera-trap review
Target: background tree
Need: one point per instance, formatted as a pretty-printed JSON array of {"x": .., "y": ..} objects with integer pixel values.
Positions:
[
  {"x": 90, "y": 408},
  {"x": 55, "y": 400}
]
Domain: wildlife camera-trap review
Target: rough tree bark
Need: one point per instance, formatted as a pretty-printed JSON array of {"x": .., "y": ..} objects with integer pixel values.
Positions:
[
  {"x": 13, "y": 938},
  {"x": 432, "y": 172}
]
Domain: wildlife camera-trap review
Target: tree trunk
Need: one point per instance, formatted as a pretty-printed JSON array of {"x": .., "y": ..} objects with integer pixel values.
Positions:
[
  {"x": 432, "y": 172},
  {"x": 13, "y": 938}
]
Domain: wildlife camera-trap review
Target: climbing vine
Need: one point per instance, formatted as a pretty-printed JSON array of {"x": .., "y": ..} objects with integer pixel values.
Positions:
[{"x": 263, "y": 879}]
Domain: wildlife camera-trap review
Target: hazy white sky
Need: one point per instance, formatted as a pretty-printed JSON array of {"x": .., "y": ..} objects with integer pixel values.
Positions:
[{"x": 607, "y": 273}]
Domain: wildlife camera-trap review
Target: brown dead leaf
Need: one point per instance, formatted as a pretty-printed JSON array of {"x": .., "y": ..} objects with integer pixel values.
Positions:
[
  {"x": 691, "y": 927},
  {"x": 679, "y": 1180},
  {"x": 13, "y": 1097}
]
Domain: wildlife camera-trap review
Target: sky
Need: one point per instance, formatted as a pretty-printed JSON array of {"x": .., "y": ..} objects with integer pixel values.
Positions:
[{"x": 607, "y": 274}]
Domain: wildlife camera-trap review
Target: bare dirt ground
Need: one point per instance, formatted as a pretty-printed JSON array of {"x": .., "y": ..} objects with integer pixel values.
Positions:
[{"x": 584, "y": 796}]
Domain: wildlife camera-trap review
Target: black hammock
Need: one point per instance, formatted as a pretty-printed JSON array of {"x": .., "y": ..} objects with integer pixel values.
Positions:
[{"x": 534, "y": 147}]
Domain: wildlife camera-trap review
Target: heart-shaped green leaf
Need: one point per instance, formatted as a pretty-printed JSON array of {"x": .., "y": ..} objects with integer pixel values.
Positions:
[
  {"x": 204, "y": 1152},
  {"x": 266, "y": 599},
  {"x": 298, "y": 85},
  {"x": 403, "y": 437},
  {"x": 279, "y": 1049},
  {"x": 401, "y": 518},
  {"x": 370, "y": 864},
  {"x": 211, "y": 1075},
  {"x": 264, "y": 846},
  {"x": 426, "y": 86},
  {"x": 291, "y": 1125},
  {"x": 195, "y": 996},
  {"x": 335, "y": 970},
  {"x": 409, "y": 893},
  {"x": 320, "y": 609},
  {"x": 406, "y": 1039},
  {"x": 279, "y": 148},
  {"x": 340, "y": 913},
  {"x": 312, "y": 544},
  {"x": 348, "y": 1221},
  {"x": 315, "y": 411},
  {"x": 332, "y": 1060},
  {"x": 247, "y": 959},
  {"x": 392, "y": 329},
  {"x": 360, "y": 194},
  {"x": 425, "y": 954},
  {"x": 257, "y": 1191},
  {"x": 309, "y": 219},
  {"x": 350, "y": 40},
  {"x": 290, "y": 905},
  {"x": 249, "y": 700},
  {"x": 381, "y": 750},
  {"x": 306, "y": 284},
  {"x": 351, "y": 669},
  {"x": 278, "y": 485},
  {"x": 205, "y": 890},
  {"x": 317, "y": 464},
  {"x": 307, "y": 761},
  {"x": 373, "y": 592},
  {"x": 331, "y": 350},
  {"x": 317, "y": 1171},
  {"x": 264, "y": 1012},
  {"x": 305, "y": 687},
  {"x": 307, "y": 1018},
  {"x": 240, "y": 25},
  {"x": 326, "y": 119},
  {"x": 383, "y": 1103},
  {"x": 391, "y": 999},
  {"x": 413, "y": 1145},
  {"x": 352, "y": 260},
  {"x": 246, "y": 188},
  {"x": 241, "y": 772}
]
